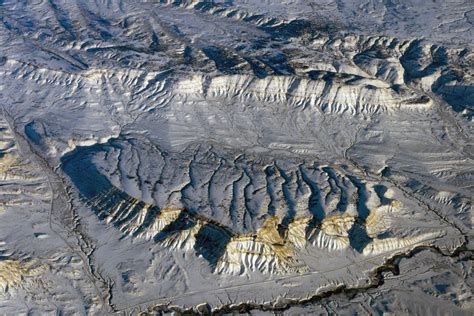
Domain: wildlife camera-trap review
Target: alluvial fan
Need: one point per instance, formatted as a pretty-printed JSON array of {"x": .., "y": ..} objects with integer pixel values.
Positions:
[{"x": 219, "y": 156}]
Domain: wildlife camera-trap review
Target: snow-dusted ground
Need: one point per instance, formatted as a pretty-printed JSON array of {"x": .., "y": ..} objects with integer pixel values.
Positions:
[{"x": 303, "y": 156}]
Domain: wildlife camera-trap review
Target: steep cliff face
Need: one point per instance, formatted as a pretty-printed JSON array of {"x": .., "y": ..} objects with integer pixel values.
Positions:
[
  {"x": 331, "y": 92},
  {"x": 301, "y": 209},
  {"x": 158, "y": 155}
]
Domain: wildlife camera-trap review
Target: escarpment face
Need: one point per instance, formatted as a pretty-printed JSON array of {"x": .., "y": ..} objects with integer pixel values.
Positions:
[
  {"x": 242, "y": 216},
  {"x": 221, "y": 156}
]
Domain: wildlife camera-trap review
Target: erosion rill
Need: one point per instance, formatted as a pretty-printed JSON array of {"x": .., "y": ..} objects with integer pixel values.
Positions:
[{"x": 214, "y": 157}]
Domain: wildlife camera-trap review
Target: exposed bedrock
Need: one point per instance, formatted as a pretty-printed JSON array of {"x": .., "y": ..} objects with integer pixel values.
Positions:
[
  {"x": 241, "y": 215},
  {"x": 180, "y": 152}
]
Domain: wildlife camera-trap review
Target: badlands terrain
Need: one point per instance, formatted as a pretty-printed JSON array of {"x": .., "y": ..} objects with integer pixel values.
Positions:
[{"x": 212, "y": 157}]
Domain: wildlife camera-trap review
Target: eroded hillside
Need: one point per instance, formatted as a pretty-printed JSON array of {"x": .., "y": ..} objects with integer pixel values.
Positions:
[{"x": 215, "y": 157}]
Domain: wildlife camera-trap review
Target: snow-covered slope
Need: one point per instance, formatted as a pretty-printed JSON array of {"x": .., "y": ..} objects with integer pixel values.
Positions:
[{"x": 220, "y": 156}]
